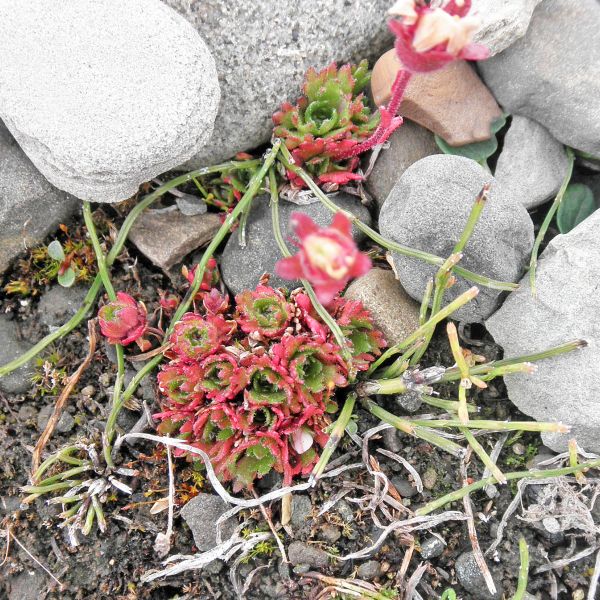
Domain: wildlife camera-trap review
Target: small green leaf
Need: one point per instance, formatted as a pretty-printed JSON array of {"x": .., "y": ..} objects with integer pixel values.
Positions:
[
  {"x": 352, "y": 427},
  {"x": 478, "y": 151},
  {"x": 577, "y": 204},
  {"x": 55, "y": 251},
  {"x": 67, "y": 279}
]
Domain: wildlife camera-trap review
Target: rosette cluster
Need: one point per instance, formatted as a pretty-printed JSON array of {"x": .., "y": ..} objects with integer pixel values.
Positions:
[
  {"x": 254, "y": 385},
  {"x": 331, "y": 117}
]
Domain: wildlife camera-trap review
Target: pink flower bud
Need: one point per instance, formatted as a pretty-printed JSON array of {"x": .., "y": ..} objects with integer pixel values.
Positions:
[{"x": 122, "y": 321}]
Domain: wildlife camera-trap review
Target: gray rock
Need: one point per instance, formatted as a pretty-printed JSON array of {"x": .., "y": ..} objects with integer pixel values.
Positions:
[
  {"x": 565, "y": 388},
  {"x": 405, "y": 488},
  {"x": 242, "y": 267},
  {"x": 9, "y": 504},
  {"x": 330, "y": 533},
  {"x": 548, "y": 77},
  {"x": 30, "y": 208},
  {"x": 428, "y": 209},
  {"x": 11, "y": 347},
  {"x": 166, "y": 237},
  {"x": 103, "y": 95},
  {"x": 201, "y": 514},
  {"x": 191, "y": 205},
  {"x": 302, "y": 508},
  {"x": 470, "y": 577},
  {"x": 300, "y": 553},
  {"x": 503, "y": 22},
  {"x": 410, "y": 402},
  {"x": 369, "y": 570},
  {"x": 432, "y": 547},
  {"x": 394, "y": 312},
  {"x": 532, "y": 163},
  {"x": 59, "y": 304},
  {"x": 28, "y": 585},
  {"x": 391, "y": 439},
  {"x": 263, "y": 49},
  {"x": 64, "y": 425},
  {"x": 407, "y": 145}
]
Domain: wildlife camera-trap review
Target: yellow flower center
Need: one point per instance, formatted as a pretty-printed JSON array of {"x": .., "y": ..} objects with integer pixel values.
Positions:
[{"x": 326, "y": 254}]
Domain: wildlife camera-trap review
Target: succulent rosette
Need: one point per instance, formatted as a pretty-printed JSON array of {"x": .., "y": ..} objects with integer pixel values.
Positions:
[
  {"x": 264, "y": 311},
  {"x": 357, "y": 326},
  {"x": 196, "y": 336},
  {"x": 221, "y": 377},
  {"x": 123, "y": 320},
  {"x": 253, "y": 385},
  {"x": 314, "y": 366},
  {"x": 331, "y": 117}
]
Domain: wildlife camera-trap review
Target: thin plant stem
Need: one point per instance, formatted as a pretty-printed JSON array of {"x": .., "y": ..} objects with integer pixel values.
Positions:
[
  {"x": 548, "y": 219},
  {"x": 493, "y": 425},
  {"x": 450, "y": 406},
  {"x": 443, "y": 276},
  {"x": 108, "y": 434},
  {"x": 337, "y": 432},
  {"x": 483, "y": 455},
  {"x": 516, "y": 475},
  {"x": 288, "y": 162},
  {"x": 415, "y": 430},
  {"x": 453, "y": 373},
  {"x": 90, "y": 297},
  {"x": 523, "y": 570},
  {"x": 321, "y": 310},
  {"x": 424, "y": 309}
]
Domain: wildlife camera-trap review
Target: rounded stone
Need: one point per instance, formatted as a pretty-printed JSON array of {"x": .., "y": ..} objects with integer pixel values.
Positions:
[
  {"x": 428, "y": 209},
  {"x": 394, "y": 312},
  {"x": 551, "y": 79},
  {"x": 103, "y": 95}
]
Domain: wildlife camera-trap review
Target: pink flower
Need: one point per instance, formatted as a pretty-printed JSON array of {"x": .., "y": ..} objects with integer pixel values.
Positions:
[
  {"x": 328, "y": 256},
  {"x": 429, "y": 38},
  {"x": 122, "y": 321}
]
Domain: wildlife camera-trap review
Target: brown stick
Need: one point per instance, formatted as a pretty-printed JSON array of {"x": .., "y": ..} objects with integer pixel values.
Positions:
[{"x": 62, "y": 399}]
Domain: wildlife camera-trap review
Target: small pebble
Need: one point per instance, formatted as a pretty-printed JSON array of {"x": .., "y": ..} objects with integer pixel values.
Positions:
[
  {"x": 300, "y": 553},
  {"x": 391, "y": 439},
  {"x": 88, "y": 391},
  {"x": 429, "y": 478},
  {"x": 330, "y": 533},
  {"x": 345, "y": 511},
  {"x": 518, "y": 449},
  {"x": 405, "y": 488},
  {"x": 369, "y": 570},
  {"x": 26, "y": 413},
  {"x": 64, "y": 425},
  {"x": 432, "y": 547}
]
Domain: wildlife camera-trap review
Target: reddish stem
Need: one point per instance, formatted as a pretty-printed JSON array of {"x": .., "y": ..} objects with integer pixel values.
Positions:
[{"x": 389, "y": 122}]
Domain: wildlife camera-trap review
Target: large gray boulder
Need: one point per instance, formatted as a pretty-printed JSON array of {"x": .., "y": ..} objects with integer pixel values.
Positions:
[
  {"x": 263, "y": 49},
  {"x": 552, "y": 74},
  {"x": 242, "y": 267},
  {"x": 532, "y": 164},
  {"x": 30, "y": 207},
  {"x": 103, "y": 95},
  {"x": 428, "y": 209},
  {"x": 503, "y": 22},
  {"x": 565, "y": 388}
]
